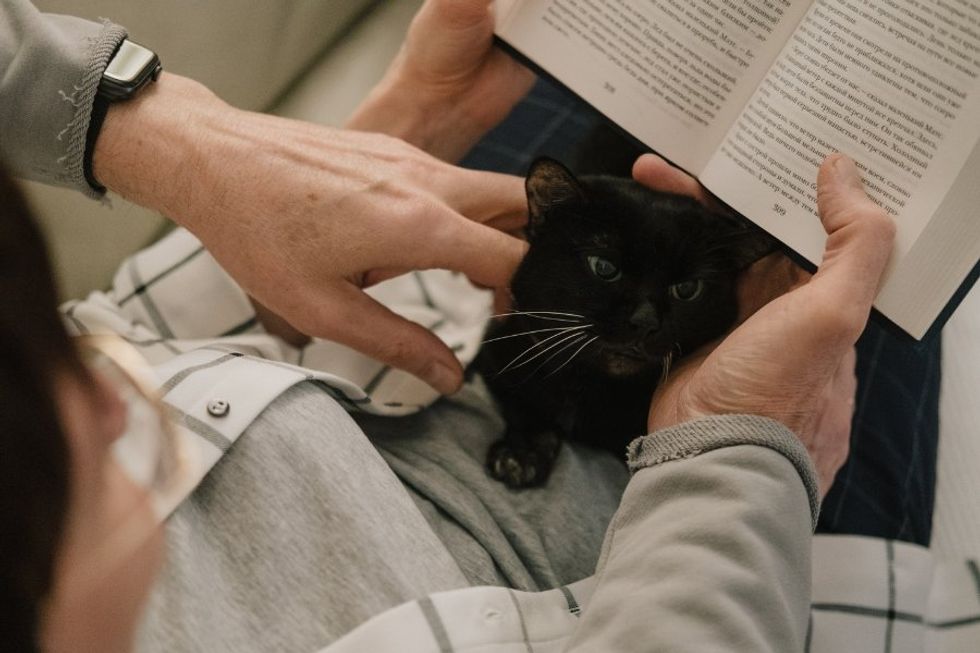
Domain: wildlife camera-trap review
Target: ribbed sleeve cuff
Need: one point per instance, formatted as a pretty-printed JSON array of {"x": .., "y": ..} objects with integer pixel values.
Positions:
[
  {"x": 709, "y": 433},
  {"x": 100, "y": 49}
]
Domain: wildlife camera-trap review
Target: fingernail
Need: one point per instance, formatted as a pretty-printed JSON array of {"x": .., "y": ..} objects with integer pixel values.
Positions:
[
  {"x": 847, "y": 172},
  {"x": 444, "y": 379}
]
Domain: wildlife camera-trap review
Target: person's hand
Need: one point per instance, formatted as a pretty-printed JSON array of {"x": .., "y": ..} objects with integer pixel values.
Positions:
[
  {"x": 303, "y": 217},
  {"x": 793, "y": 358},
  {"x": 448, "y": 85}
]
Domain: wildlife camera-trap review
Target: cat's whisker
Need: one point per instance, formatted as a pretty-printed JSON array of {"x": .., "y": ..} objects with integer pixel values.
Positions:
[
  {"x": 566, "y": 314},
  {"x": 553, "y": 316},
  {"x": 534, "y": 345},
  {"x": 666, "y": 363},
  {"x": 568, "y": 345},
  {"x": 513, "y": 365},
  {"x": 527, "y": 333},
  {"x": 572, "y": 357}
]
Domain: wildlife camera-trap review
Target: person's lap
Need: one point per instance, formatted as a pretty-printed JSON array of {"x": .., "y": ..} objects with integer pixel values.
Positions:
[
  {"x": 886, "y": 488},
  {"x": 312, "y": 526},
  {"x": 300, "y": 533},
  {"x": 533, "y": 539}
]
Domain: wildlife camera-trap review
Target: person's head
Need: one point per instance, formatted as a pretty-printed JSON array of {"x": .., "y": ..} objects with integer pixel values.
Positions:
[{"x": 79, "y": 545}]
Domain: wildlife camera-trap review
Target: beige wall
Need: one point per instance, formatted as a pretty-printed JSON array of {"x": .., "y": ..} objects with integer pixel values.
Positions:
[{"x": 246, "y": 52}]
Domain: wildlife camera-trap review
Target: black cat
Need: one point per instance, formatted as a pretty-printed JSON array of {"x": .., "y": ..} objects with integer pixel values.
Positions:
[{"x": 619, "y": 281}]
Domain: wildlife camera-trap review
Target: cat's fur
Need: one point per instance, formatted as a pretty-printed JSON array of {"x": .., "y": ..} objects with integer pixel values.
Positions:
[{"x": 638, "y": 278}]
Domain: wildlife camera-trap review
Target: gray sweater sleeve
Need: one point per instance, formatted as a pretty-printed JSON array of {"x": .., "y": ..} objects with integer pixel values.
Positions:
[
  {"x": 710, "y": 548},
  {"x": 50, "y": 67}
]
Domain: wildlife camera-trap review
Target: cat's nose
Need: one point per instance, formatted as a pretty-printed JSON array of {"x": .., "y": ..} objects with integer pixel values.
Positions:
[{"x": 645, "y": 318}]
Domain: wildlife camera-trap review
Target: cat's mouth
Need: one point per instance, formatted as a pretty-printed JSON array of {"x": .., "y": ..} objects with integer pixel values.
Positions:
[
  {"x": 628, "y": 360},
  {"x": 632, "y": 353}
]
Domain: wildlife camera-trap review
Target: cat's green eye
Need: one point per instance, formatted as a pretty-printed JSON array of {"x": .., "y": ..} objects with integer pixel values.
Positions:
[
  {"x": 687, "y": 291},
  {"x": 604, "y": 268}
]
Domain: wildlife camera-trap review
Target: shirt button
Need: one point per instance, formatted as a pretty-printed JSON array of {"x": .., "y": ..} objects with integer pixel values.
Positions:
[{"x": 218, "y": 408}]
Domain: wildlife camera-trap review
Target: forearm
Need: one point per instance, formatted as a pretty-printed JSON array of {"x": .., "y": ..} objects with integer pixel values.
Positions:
[
  {"x": 50, "y": 68},
  {"x": 708, "y": 551}
]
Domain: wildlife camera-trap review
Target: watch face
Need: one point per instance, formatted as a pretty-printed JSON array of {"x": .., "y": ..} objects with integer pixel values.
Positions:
[
  {"x": 131, "y": 68},
  {"x": 130, "y": 60}
]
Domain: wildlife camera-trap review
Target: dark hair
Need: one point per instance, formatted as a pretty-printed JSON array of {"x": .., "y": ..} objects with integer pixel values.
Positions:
[{"x": 34, "y": 347}]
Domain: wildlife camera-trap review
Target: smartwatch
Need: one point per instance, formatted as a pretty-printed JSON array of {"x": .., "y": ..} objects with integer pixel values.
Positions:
[{"x": 131, "y": 68}]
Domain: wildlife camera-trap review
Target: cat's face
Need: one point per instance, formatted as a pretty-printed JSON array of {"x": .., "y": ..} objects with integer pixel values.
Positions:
[{"x": 652, "y": 274}]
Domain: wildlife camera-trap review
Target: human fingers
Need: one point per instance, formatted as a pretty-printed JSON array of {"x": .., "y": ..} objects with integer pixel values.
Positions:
[
  {"x": 459, "y": 13},
  {"x": 450, "y": 37},
  {"x": 487, "y": 256},
  {"x": 779, "y": 361},
  {"x": 358, "y": 321},
  {"x": 503, "y": 301},
  {"x": 823, "y": 318},
  {"x": 481, "y": 246},
  {"x": 379, "y": 275},
  {"x": 860, "y": 240},
  {"x": 651, "y": 170},
  {"x": 275, "y": 324},
  {"x": 808, "y": 331},
  {"x": 487, "y": 197},
  {"x": 510, "y": 223}
]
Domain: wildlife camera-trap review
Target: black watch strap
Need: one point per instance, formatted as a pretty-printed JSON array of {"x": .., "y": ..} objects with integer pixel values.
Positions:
[
  {"x": 131, "y": 68},
  {"x": 100, "y": 107}
]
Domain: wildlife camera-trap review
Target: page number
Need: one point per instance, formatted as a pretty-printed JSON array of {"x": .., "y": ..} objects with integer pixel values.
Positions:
[
  {"x": 608, "y": 87},
  {"x": 779, "y": 209}
]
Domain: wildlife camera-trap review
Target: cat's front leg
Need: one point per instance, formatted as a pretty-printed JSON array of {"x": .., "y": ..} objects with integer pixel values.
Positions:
[{"x": 521, "y": 460}]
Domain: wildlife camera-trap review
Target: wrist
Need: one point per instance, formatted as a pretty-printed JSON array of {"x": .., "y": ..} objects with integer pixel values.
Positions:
[{"x": 149, "y": 147}]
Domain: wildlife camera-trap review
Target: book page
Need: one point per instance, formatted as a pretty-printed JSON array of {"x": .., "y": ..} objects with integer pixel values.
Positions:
[
  {"x": 895, "y": 84},
  {"x": 919, "y": 288},
  {"x": 673, "y": 73},
  {"x": 503, "y": 9}
]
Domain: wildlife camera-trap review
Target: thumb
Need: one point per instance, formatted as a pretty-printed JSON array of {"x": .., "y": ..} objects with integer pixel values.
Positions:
[
  {"x": 461, "y": 14},
  {"x": 654, "y": 172},
  {"x": 860, "y": 236},
  {"x": 449, "y": 28},
  {"x": 840, "y": 192}
]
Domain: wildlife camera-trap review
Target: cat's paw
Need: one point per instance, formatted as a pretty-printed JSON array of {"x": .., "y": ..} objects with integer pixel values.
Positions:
[{"x": 517, "y": 467}]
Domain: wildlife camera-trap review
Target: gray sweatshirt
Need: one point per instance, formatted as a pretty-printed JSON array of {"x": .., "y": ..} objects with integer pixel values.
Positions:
[
  {"x": 50, "y": 67},
  {"x": 303, "y": 530}
]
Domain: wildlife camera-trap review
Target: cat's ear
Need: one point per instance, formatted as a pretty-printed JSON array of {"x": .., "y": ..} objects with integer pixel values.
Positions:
[
  {"x": 548, "y": 184},
  {"x": 742, "y": 242},
  {"x": 751, "y": 244}
]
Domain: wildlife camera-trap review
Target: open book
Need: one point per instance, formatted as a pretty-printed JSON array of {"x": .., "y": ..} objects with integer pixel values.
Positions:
[{"x": 749, "y": 96}]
